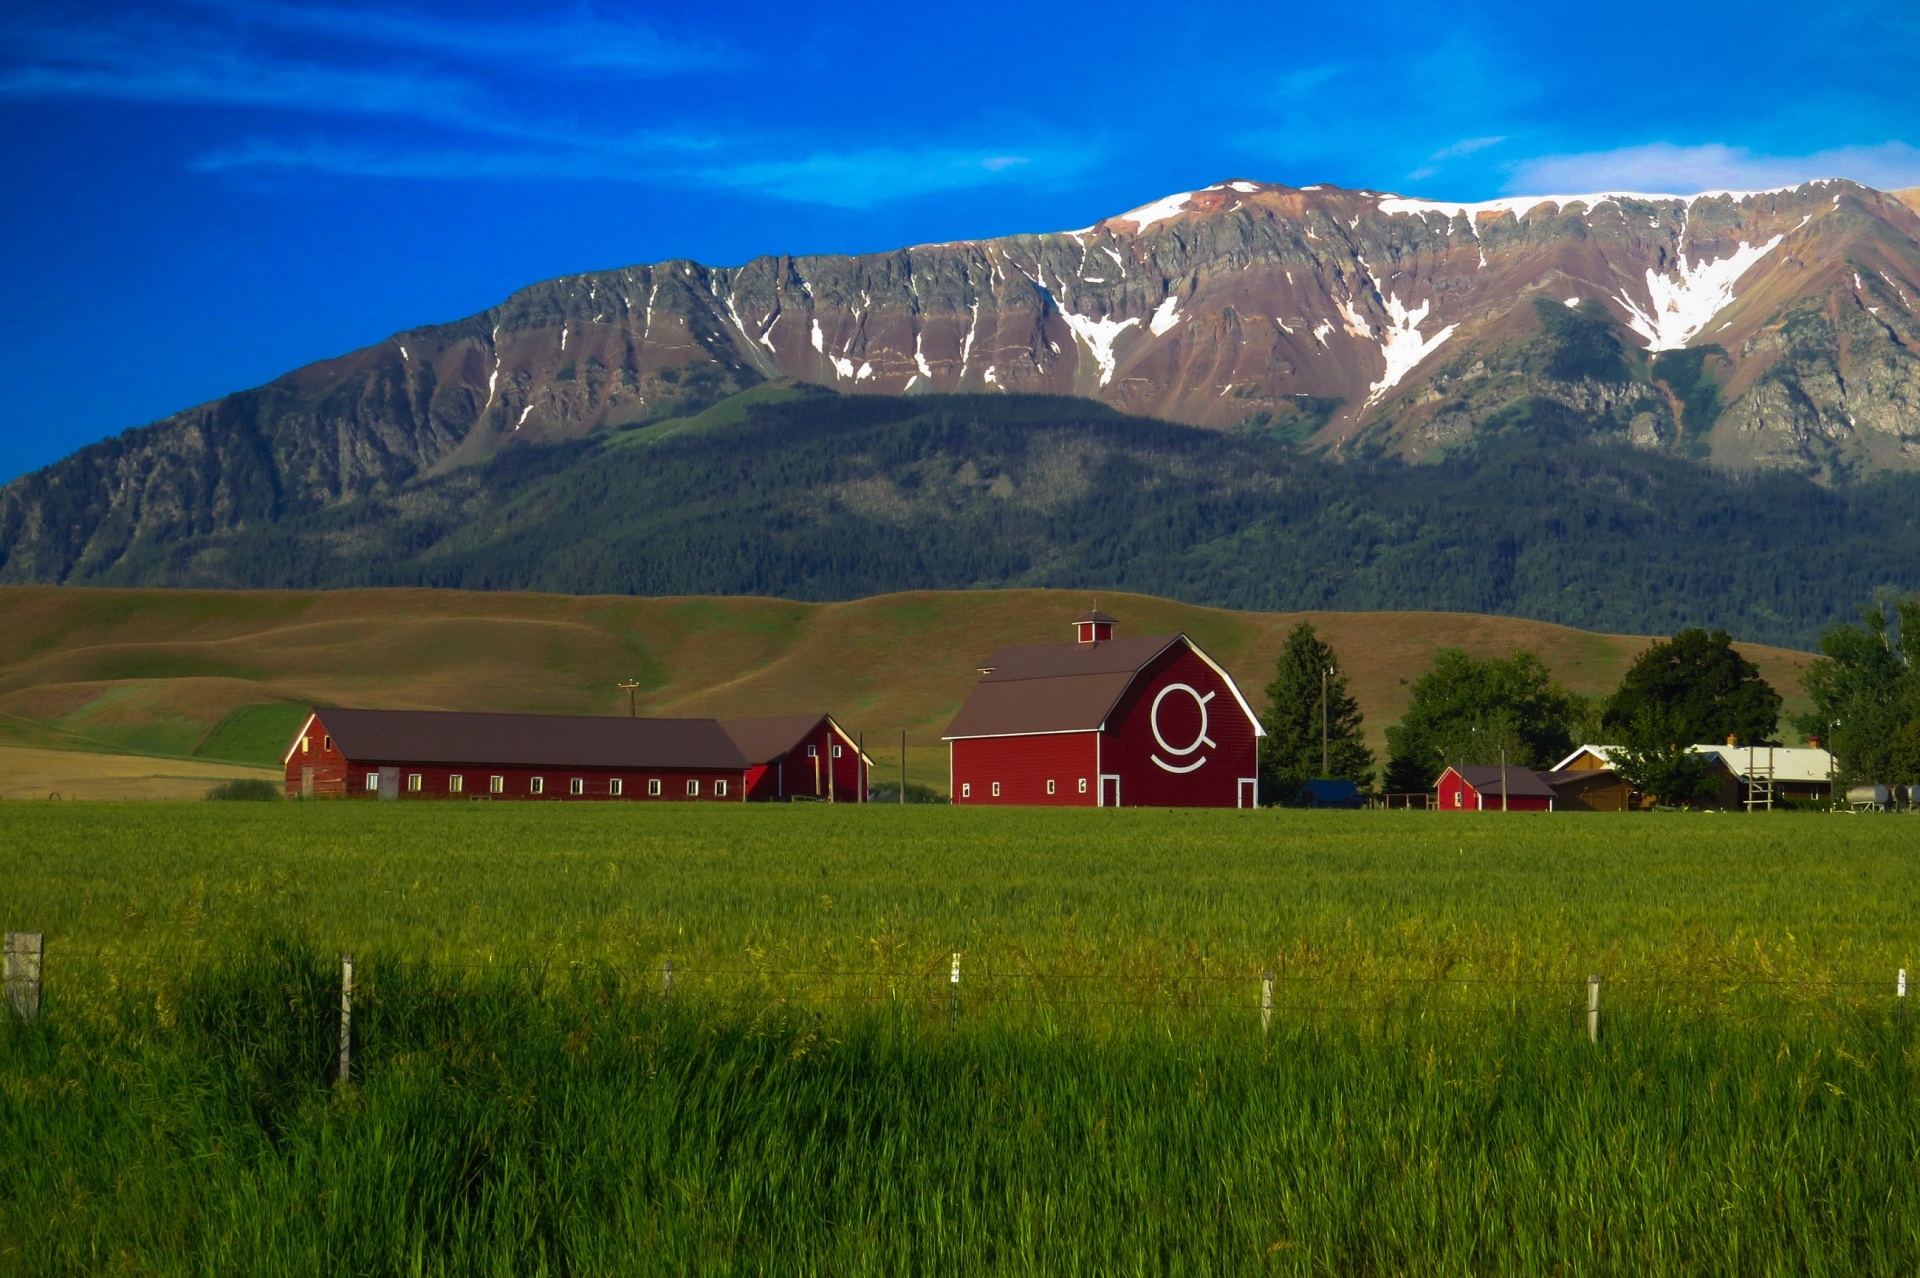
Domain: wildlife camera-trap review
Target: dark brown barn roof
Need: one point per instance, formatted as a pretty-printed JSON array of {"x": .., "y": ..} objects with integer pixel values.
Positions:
[
  {"x": 531, "y": 740},
  {"x": 1576, "y": 776},
  {"x": 1054, "y": 687},
  {"x": 769, "y": 740},
  {"x": 1522, "y": 783}
]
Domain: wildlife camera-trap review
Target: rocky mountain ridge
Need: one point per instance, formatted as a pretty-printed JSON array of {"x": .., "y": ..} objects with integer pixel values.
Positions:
[{"x": 1772, "y": 329}]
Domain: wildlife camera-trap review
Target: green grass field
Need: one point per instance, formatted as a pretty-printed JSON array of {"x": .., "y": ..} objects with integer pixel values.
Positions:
[{"x": 1100, "y": 1097}]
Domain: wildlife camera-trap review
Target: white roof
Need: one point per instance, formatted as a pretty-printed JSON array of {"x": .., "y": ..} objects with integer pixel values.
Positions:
[
  {"x": 1789, "y": 763},
  {"x": 1603, "y": 753}
]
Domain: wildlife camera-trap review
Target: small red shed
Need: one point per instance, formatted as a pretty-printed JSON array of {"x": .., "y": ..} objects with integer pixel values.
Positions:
[
  {"x": 1142, "y": 721},
  {"x": 1472, "y": 787}
]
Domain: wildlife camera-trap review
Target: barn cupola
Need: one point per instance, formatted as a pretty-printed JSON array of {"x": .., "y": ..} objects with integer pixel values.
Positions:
[{"x": 1093, "y": 627}]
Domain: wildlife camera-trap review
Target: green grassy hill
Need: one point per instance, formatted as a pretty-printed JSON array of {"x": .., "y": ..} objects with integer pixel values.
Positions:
[{"x": 228, "y": 674}]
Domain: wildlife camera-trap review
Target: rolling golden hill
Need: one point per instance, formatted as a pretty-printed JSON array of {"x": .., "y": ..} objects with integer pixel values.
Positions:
[{"x": 225, "y": 674}]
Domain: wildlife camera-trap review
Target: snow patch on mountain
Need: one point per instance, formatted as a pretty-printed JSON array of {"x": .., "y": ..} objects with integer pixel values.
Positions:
[
  {"x": 1165, "y": 316},
  {"x": 1684, "y": 303},
  {"x": 1159, "y": 211},
  {"x": 1099, "y": 336},
  {"x": 1402, "y": 344},
  {"x": 819, "y": 338}
]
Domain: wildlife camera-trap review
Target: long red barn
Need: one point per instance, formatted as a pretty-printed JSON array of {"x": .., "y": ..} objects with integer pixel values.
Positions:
[
  {"x": 428, "y": 754},
  {"x": 1144, "y": 721}
]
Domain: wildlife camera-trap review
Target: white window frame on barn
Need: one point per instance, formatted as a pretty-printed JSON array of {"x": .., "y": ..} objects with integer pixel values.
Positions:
[
  {"x": 496, "y": 785},
  {"x": 413, "y": 782},
  {"x": 577, "y": 786},
  {"x": 616, "y": 787},
  {"x": 373, "y": 780},
  {"x": 836, "y": 752},
  {"x": 996, "y": 789},
  {"x": 1049, "y": 785},
  {"x": 537, "y": 785},
  {"x": 719, "y": 789},
  {"x": 653, "y": 787},
  {"x": 456, "y": 784},
  {"x": 1083, "y": 785},
  {"x": 693, "y": 789},
  {"x": 966, "y": 789},
  {"x": 326, "y": 743}
]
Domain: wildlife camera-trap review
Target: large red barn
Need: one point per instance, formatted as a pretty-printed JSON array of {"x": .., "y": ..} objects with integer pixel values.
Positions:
[
  {"x": 427, "y": 754},
  {"x": 1144, "y": 721}
]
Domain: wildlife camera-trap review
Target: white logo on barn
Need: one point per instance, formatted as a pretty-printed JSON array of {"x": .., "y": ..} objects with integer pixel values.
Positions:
[{"x": 1200, "y": 737}]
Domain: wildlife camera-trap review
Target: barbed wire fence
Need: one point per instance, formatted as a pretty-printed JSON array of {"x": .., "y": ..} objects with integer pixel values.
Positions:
[{"x": 957, "y": 990}]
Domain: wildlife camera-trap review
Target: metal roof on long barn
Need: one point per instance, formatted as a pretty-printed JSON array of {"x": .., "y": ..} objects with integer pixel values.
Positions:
[{"x": 444, "y": 737}]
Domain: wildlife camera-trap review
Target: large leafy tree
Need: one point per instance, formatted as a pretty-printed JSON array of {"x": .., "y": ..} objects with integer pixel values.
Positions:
[
  {"x": 1657, "y": 760},
  {"x": 1472, "y": 711},
  {"x": 1865, "y": 690},
  {"x": 1290, "y": 752},
  {"x": 1694, "y": 689}
]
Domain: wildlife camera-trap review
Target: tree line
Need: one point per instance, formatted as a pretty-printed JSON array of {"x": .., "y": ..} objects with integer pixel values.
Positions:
[{"x": 1691, "y": 689}]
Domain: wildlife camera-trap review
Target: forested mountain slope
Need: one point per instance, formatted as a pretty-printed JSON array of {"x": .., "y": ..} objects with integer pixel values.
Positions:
[{"x": 811, "y": 495}]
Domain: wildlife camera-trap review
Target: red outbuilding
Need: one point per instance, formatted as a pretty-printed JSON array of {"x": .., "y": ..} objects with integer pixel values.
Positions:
[
  {"x": 427, "y": 754},
  {"x": 1144, "y": 721},
  {"x": 800, "y": 756},
  {"x": 1480, "y": 787}
]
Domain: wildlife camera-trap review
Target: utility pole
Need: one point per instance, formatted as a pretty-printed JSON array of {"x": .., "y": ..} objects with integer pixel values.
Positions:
[
  {"x": 1503, "y": 778},
  {"x": 1324, "y": 766},
  {"x": 631, "y": 686}
]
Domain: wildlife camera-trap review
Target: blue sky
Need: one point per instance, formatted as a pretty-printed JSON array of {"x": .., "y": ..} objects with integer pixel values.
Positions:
[{"x": 205, "y": 194}]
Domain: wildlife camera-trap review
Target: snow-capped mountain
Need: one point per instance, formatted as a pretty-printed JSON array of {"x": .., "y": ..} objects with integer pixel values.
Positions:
[{"x": 1769, "y": 328}]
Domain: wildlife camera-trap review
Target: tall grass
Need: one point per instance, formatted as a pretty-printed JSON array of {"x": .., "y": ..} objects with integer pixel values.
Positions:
[
  {"x": 567, "y": 1124},
  {"x": 525, "y": 1100}
]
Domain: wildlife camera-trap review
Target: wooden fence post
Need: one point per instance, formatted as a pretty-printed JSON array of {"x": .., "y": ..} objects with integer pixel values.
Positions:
[
  {"x": 1593, "y": 1008},
  {"x": 953, "y": 997},
  {"x": 24, "y": 951},
  {"x": 346, "y": 1018},
  {"x": 1266, "y": 1000}
]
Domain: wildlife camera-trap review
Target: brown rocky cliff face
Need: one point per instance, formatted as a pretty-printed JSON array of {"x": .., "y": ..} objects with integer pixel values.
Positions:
[{"x": 1404, "y": 323}]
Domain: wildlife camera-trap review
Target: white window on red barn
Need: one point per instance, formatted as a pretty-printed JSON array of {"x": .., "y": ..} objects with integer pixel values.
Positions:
[{"x": 373, "y": 780}]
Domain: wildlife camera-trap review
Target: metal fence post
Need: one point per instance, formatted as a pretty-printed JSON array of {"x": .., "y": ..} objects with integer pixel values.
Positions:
[
  {"x": 953, "y": 996},
  {"x": 346, "y": 1018},
  {"x": 1593, "y": 1008},
  {"x": 24, "y": 951},
  {"x": 1266, "y": 1000}
]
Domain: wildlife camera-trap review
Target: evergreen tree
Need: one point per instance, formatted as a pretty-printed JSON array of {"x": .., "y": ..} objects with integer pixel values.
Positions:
[
  {"x": 1697, "y": 690},
  {"x": 1290, "y": 753},
  {"x": 1470, "y": 711}
]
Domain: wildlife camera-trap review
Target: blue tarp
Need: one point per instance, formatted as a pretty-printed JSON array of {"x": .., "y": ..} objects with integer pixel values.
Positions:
[{"x": 1329, "y": 794}]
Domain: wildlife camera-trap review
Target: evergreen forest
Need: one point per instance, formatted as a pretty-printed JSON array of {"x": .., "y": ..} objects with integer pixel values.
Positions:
[{"x": 817, "y": 496}]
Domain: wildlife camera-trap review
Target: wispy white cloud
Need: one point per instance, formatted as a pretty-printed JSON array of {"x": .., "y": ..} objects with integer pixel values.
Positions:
[
  {"x": 441, "y": 73},
  {"x": 1662, "y": 166},
  {"x": 1464, "y": 147},
  {"x": 140, "y": 60},
  {"x": 845, "y": 179},
  {"x": 583, "y": 39}
]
